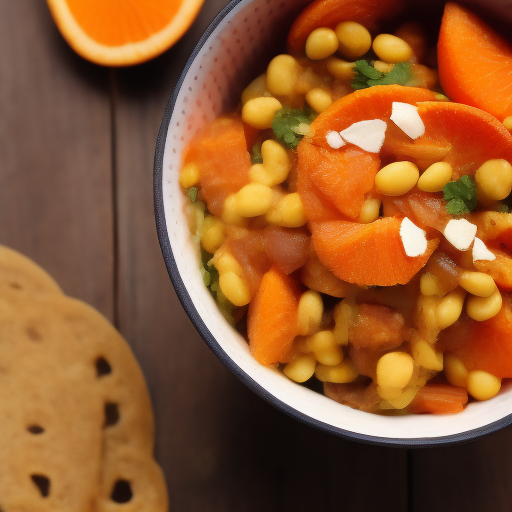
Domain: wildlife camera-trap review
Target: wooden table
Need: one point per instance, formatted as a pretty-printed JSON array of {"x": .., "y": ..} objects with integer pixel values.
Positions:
[{"x": 76, "y": 152}]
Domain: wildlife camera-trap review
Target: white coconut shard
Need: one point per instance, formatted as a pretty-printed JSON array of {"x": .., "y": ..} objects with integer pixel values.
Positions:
[
  {"x": 334, "y": 140},
  {"x": 406, "y": 117},
  {"x": 480, "y": 251},
  {"x": 414, "y": 239},
  {"x": 367, "y": 135},
  {"x": 460, "y": 233}
]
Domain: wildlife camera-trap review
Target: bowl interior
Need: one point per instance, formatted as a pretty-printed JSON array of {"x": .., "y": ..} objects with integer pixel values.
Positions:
[{"x": 232, "y": 52}]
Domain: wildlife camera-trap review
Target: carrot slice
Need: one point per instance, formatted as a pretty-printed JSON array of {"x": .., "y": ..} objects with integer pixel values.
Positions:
[
  {"x": 224, "y": 163},
  {"x": 328, "y": 13},
  {"x": 475, "y": 63},
  {"x": 370, "y": 254},
  {"x": 272, "y": 318},
  {"x": 287, "y": 248},
  {"x": 499, "y": 269},
  {"x": 439, "y": 399}
]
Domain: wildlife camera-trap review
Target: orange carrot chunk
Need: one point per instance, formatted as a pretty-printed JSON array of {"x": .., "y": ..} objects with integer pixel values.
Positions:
[
  {"x": 475, "y": 63},
  {"x": 272, "y": 318},
  {"x": 439, "y": 399}
]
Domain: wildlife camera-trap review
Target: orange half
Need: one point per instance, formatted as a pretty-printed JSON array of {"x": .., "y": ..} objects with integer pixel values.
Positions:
[{"x": 122, "y": 32}]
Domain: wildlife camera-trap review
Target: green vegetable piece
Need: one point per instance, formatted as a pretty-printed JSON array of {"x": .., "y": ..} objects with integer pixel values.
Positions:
[
  {"x": 460, "y": 196},
  {"x": 256, "y": 157},
  {"x": 192, "y": 194},
  {"x": 367, "y": 76},
  {"x": 504, "y": 209},
  {"x": 286, "y": 122}
]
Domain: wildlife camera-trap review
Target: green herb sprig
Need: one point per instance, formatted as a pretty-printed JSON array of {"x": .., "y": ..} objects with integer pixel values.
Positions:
[
  {"x": 367, "y": 76},
  {"x": 460, "y": 196},
  {"x": 286, "y": 125}
]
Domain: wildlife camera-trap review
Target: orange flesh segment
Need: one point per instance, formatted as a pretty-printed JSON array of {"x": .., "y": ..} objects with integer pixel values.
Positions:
[
  {"x": 439, "y": 399},
  {"x": 272, "y": 318},
  {"x": 475, "y": 63},
  {"x": 370, "y": 254}
]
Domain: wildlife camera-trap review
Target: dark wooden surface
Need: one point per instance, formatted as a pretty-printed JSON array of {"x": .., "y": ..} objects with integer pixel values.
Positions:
[{"x": 76, "y": 152}]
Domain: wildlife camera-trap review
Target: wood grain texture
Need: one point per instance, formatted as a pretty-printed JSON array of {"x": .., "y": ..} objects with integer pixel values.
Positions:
[{"x": 55, "y": 154}]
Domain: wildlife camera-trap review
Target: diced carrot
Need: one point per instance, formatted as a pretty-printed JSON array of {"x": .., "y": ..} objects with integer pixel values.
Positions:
[
  {"x": 316, "y": 276},
  {"x": 272, "y": 318},
  {"x": 365, "y": 360},
  {"x": 251, "y": 136},
  {"x": 369, "y": 254},
  {"x": 342, "y": 176},
  {"x": 221, "y": 154},
  {"x": 475, "y": 63},
  {"x": 328, "y": 13},
  {"x": 499, "y": 269},
  {"x": 483, "y": 345},
  {"x": 439, "y": 399},
  {"x": 358, "y": 395}
]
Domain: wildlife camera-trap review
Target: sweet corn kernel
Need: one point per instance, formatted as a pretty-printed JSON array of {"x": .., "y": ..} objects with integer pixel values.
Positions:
[
  {"x": 395, "y": 370},
  {"x": 310, "y": 311},
  {"x": 482, "y": 385},
  {"x": 282, "y": 74},
  {"x": 256, "y": 89},
  {"x": 342, "y": 373},
  {"x": 322, "y": 341},
  {"x": 354, "y": 39},
  {"x": 226, "y": 262},
  {"x": 189, "y": 175},
  {"x": 319, "y": 99},
  {"x": 330, "y": 357},
  {"x": 213, "y": 233},
  {"x": 391, "y": 49},
  {"x": 229, "y": 213},
  {"x": 397, "y": 178},
  {"x": 389, "y": 392},
  {"x": 425, "y": 355},
  {"x": 275, "y": 167},
  {"x": 287, "y": 212},
  {"x": 483, "y": 308},
  {"x": 383, "y": 67},
  {"x": 370, "y": 210},
  {"x": 508, "y": 123},
  {"x": 341, "y": 69},
  {"x": 234, "y": 288},
  {"x": 435, "y": 177},
  {"x": 321, "y": 43},
  {"x": 455, "y": 371},
  {"x": 301, "y": 368},
  {"x": 402, "y": 400},
  {"x": 253, "y": 200},
  {"x": 450, "y": 307},
  {"x": 429, "y": 285},
  {"x": 344, "y": 313},
  {"x": 259, "y": 112},
  {"x": 494, "y": 179},
  {"x": 477, "y": 283}
]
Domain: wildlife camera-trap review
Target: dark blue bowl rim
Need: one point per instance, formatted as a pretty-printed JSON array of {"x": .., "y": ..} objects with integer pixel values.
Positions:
[{"x": 186, "y": 301}]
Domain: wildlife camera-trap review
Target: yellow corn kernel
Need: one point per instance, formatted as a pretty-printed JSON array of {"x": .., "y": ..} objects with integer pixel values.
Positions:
[
  {"x": 310, "y": 311},
  {"x": 212, "y": 233},
  {"x": 483, "y": 308},
  {"x": 341, "y": 373},
  {"x": 321, "y": 43},
  {"x": 226, "y": 262},
  {"x": 253, "y": 200},
  {"x": 397, "y": 178},
  {"x": 370, "y": 210},
  {"x": 424, "y": 355},
  {"x": 341, "y": 69},
  {"x": 282, "y": 74},
  {"x": 321, "y": 341},
  {"x": 275, "y": 167},
  {"x": 429, "y": 285},
  {"x": 383, "y": 67},
  {"x": 354, "y": 39},
  {"x": 389, "y": 392},
  {"x": 508, "y": 123},
  {"x": 259, "y": 112},
  {"x": 450, "y": 307},
  {"x": 287, "y": 212},
  {"x": 189, "y": 175},
  {"x": 455, "y": 371},
  {"x": 394, "y": 370},
  {"x": 494, "y": 179},
  {"x": 229, "y": 213},
  {"x": 256, "y": 89},
  {"x": 319, "y": 99},
  {"x": 391, "y": 49},
  {"x": 344, "y": 313},
  {"x": 482, "y": 385},
  {"x": 301, "y": 368},
  {"x": 435, "y": 177},
  {"x": 330, "y": 357},
  {"x": 477, "y": 283},
  {"x": 234, "y": 288},
  {"x": 401, "y": 401}
]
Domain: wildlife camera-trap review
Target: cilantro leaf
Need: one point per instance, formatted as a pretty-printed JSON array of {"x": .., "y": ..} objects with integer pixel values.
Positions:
[
  {"x": 507, "y": 204},
  {"x": 286, "y": 125},
  {"x": 460, "y": 196},
  {"x": 256, "y": 157},
  {"x": 367, "y": 76},
  {"x": 192, "y": 194}
]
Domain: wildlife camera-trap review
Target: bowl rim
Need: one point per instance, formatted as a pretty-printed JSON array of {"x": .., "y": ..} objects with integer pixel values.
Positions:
[{"x": 209, "y": 339}]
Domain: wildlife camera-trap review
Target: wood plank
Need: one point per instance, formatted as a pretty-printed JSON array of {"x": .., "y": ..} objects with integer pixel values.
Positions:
[
  {"x": 221, "y": 447},
  {"x": 55, "y": 155}
]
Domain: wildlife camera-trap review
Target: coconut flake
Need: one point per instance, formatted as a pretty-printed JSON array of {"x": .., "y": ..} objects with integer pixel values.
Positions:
[
  {"x": 480, "y": 251},
  {"x": 414, "y": 239},
  {"x": 406, "y": 117},
  {"x": 334, "y": 140},
  {"x": 367, "y": 135},
  {"x": 460, "y": 233}
]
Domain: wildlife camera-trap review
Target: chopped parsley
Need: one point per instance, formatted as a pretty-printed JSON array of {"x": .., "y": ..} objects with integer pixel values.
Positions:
[
  {"x": 367, "y": 76},
  {"x": 256, "y": 157},
  {"x": 506, "y": 207},
  {"x": 192, "y": 194},
  {"x": 290, "y": 125},
  {"x": 460, "y": 196}
]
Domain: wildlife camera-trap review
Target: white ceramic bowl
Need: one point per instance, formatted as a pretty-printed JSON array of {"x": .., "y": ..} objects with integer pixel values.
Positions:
[{"x": 230, "y": 53}]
